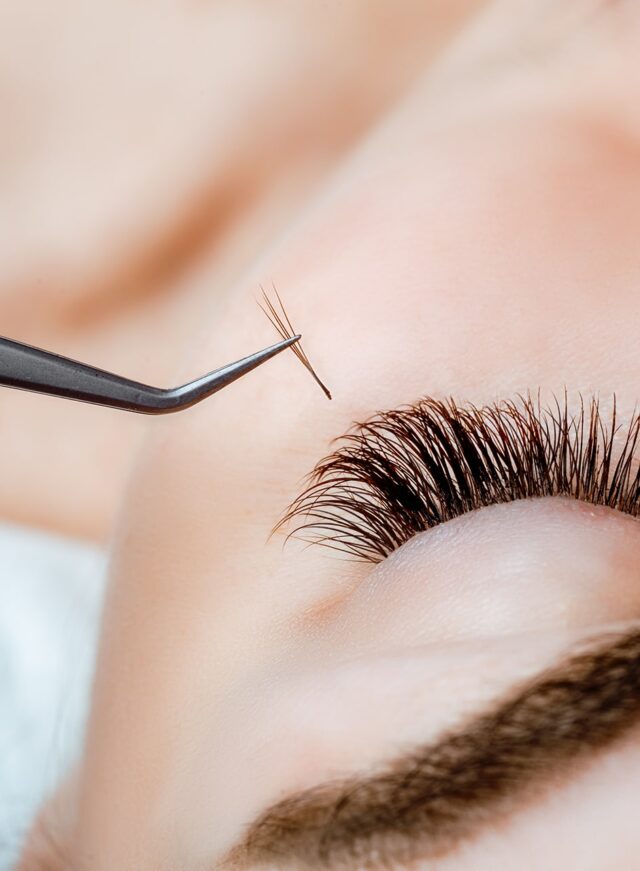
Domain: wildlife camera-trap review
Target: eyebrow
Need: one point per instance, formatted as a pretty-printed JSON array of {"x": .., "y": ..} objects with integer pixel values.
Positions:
[{"x": 431, "y": 800}]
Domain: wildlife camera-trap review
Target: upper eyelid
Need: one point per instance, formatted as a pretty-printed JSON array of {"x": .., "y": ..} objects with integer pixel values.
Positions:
[{"x": 406, "y": 470}]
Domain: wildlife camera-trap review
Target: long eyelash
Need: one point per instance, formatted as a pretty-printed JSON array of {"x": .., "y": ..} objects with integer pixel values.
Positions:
[
  {"x": 405, "y": 471},
  {"x": 280, "y": 320}
]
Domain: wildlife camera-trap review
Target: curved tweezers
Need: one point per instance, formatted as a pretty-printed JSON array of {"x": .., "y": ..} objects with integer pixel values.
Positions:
[{"x": 28, "y": 368}]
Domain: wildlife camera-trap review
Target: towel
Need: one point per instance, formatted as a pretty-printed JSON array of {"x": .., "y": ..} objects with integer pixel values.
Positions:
[{"x": 51, "y": 593}]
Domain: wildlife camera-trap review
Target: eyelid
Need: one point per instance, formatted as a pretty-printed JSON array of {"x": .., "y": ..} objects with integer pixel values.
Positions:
[
  {"x": 525, "y": 567},
  {"x": 406, "y": 470}
]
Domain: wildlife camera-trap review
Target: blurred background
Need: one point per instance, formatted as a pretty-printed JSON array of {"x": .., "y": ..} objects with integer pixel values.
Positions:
[{"x": 149, "y": 152}]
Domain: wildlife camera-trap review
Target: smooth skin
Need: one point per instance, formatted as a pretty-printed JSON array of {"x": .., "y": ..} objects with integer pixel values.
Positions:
[
  {"x": 149, "y": 152},
  {"x": 481, "y": 242}
]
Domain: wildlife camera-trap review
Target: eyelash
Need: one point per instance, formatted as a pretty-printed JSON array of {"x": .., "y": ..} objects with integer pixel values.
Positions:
[{"x": 405, "y": 471}]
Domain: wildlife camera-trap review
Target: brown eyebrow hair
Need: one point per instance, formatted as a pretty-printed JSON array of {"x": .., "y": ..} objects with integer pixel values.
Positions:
[{"x": 428, "y": 802}]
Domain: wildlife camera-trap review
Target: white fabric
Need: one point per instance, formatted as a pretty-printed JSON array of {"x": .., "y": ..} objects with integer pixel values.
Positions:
[{"x": 51, "y": 592}]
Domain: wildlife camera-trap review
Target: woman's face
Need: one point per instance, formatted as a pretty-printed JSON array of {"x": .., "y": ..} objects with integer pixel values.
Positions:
[{"x": 482, "y": 244}]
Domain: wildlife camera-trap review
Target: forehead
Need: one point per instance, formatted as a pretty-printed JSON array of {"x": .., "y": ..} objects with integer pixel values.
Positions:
[{"x": 478, "y": 259}]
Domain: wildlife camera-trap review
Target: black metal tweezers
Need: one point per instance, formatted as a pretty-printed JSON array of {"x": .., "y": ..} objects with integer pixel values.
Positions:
[{"x": 28, "y": 368}]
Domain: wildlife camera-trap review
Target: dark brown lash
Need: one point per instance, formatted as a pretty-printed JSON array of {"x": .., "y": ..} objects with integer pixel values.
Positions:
[
  {"x": 407, "y": 470},
  {"x": 280, "y": 320}
]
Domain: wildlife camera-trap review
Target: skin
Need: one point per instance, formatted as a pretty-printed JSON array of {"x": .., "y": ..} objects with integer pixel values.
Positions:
[
  {"x": 134, "y": 191},
  {"x": 480, "y": 243}
]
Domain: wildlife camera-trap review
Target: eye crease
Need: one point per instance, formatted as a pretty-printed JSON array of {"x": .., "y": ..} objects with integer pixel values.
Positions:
[{"x": 407, "y": 470}]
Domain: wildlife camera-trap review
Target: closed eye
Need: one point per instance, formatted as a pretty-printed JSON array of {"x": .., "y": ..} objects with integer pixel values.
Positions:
[{"x": 409, "y": 469}]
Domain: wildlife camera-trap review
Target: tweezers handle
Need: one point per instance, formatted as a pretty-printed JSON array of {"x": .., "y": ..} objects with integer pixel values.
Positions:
[{"x": 28, "y": 368}]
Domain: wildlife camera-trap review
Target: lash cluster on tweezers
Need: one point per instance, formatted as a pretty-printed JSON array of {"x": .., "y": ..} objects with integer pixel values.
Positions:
[
  {"x": 280, "y": 320},
  {"x": 405, "y": 471}
]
